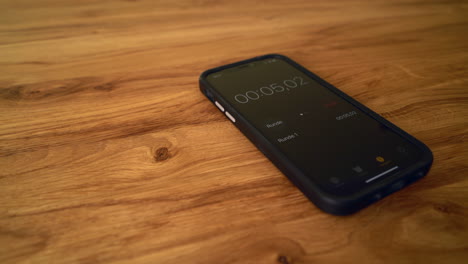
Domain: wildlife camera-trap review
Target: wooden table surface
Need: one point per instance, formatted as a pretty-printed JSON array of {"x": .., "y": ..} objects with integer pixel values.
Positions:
[{"x": 110, "y": 154}]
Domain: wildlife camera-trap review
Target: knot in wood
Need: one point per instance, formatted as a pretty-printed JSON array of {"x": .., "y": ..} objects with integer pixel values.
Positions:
[
  {"x": 162, "y": 154},
  {"x": 283, "y": 260}
]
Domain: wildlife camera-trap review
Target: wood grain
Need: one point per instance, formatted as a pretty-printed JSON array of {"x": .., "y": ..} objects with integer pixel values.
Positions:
[{"x": 110, "y": 154}]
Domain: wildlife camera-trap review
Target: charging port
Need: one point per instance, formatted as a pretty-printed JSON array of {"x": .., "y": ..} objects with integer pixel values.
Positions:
[{"x": 397, "y": 186}]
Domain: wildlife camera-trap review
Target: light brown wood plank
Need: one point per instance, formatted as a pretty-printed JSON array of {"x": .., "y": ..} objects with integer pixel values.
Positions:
[{"x": 110, "y": 154}]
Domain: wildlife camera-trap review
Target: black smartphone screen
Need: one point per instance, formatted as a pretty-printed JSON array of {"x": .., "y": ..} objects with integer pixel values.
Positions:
[{"x": 340, "y": 147}]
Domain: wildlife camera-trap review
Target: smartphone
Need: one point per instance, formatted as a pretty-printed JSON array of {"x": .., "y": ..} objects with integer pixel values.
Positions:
[{"x": 339, "y": 153}]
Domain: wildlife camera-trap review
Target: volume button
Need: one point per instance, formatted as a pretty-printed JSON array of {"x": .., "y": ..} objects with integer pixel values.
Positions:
[
  {"x": 230, "y": 116},
  {"x": 219, "y": 106}
]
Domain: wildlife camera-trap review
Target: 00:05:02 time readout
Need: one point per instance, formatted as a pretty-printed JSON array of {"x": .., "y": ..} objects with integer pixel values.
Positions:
[{"x": 271, "y": 89}]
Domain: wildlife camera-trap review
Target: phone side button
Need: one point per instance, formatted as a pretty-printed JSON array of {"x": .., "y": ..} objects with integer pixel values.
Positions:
[
  {"x": 230, "y": 116},
  {"x": 219, "y": 106}
]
